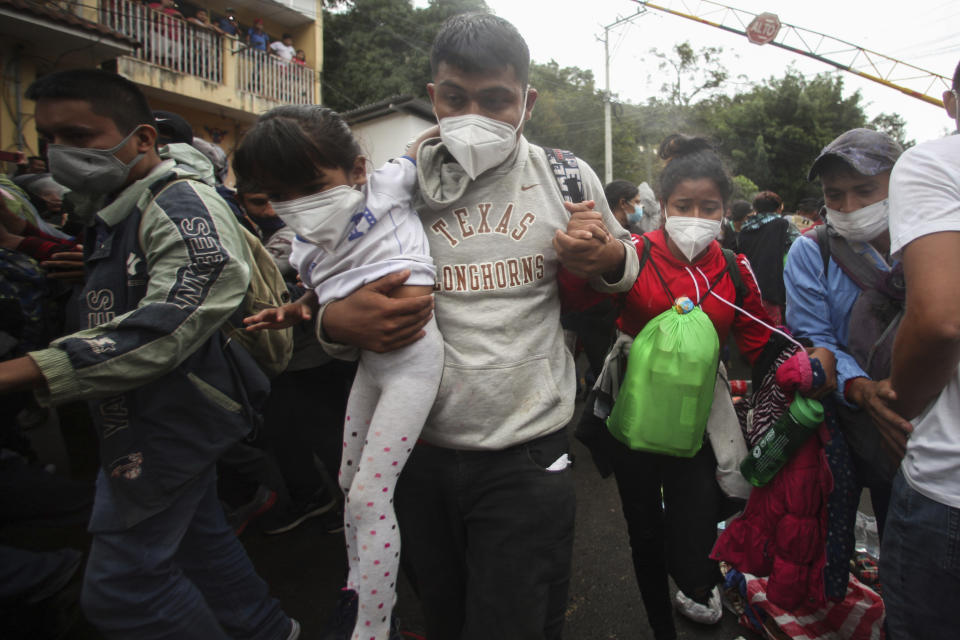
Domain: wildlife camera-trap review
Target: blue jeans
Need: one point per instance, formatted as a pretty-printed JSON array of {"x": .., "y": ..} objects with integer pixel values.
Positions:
[
  {"x": 487, "y": 539},
  {"x": 920, "y": 566},
  {"x": 180, "y": 574}
]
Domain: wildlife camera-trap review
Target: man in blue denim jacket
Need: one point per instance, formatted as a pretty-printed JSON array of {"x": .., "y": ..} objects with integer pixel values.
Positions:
[{"x": 854, "y": 171}]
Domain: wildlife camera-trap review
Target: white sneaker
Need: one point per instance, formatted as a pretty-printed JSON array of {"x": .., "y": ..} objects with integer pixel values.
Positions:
[
  {"x": 294, "y": 630},
  {"x": 710, "y": 613}
]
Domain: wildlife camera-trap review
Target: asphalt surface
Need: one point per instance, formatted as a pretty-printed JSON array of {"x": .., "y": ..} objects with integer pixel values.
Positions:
[{"x": 306, "y": 567}]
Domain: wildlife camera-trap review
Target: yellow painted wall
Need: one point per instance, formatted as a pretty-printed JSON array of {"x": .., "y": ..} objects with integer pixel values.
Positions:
[
  {"x": 204, "y": 122},
  {"x": 9, "y": 66}
]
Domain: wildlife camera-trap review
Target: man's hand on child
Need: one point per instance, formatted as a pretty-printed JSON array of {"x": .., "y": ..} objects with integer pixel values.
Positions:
[{"x": 370, "y": 319}]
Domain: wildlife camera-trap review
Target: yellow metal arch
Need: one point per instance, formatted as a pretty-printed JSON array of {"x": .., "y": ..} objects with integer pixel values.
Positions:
[{"x": 890, "y": 72}]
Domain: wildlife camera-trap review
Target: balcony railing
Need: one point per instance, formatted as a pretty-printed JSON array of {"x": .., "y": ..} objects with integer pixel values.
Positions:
[
  {"x": 167, "y": 41},
  {"x": 271, "y": 77},
  {"x": 184, "y": 47}
]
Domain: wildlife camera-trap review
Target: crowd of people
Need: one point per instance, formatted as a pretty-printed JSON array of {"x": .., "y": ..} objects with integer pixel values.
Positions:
[
  {"x": 184, "y": 37},
  {"x": 390, "y": 352}
]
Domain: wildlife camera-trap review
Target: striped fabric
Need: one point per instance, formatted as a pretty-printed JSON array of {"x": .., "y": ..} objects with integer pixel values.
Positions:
[{"x": 859, "y": 616}]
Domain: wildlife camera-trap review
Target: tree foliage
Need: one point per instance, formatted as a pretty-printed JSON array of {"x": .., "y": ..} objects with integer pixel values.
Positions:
[
  {"x": 693, "y": 72},
  {"x": 773, "y": 132},
  {"x": 769, "y": 134},
  {"x": 375, "y": 49},
  {"x": 569, "y": 115}
]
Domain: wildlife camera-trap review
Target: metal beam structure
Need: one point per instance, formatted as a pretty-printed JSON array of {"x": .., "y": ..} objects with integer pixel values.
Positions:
[{"x": 890, "y": 72}]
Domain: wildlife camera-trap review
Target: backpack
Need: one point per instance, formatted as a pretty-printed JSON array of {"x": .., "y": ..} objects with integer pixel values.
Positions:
[
  {"x": 270, "y": 349},
  {"x": 874, "y": 319},
  {"x": 567, "y": 173},
  {"x": 667, "y": 392},
  {"x": 267, "y": 289}
]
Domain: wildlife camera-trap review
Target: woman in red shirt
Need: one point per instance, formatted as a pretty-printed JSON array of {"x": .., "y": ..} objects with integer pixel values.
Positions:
[{"x": 672, "y": 504}]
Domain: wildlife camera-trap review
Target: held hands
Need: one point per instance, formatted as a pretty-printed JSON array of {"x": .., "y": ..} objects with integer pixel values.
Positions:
[
  {"x": 586, "y": 248},
  {"x": 876, "y": 398}
]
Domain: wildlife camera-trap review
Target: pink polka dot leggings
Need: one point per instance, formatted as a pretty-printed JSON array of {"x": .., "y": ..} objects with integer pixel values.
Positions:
[{"x": 391, "y": 397}]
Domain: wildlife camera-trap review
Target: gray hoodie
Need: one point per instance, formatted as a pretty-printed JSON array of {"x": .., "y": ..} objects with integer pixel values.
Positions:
[{"x": 508, "y": 377}]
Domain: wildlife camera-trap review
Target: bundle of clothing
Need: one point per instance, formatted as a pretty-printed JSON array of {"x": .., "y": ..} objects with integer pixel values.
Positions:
[{"x": 797, "y": 532}]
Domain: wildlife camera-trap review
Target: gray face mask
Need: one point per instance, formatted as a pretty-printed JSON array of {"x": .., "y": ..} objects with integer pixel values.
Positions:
[{"x": 90, "y": 170}]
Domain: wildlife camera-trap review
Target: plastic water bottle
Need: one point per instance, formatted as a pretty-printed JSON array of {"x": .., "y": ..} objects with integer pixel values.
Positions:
[{"x": 782, "y": 439}]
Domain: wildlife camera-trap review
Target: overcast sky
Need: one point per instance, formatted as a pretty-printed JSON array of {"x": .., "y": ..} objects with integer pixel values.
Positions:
[{"x": 924, "y": 33}]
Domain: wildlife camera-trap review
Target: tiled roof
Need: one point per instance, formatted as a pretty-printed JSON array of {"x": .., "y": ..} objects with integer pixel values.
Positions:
[
  {"x": 406, "y": 103},
  {"x": 50, "y": 11}
]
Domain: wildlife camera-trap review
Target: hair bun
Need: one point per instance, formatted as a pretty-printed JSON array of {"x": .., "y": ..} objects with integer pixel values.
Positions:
[{"x": 679, "y": 145}]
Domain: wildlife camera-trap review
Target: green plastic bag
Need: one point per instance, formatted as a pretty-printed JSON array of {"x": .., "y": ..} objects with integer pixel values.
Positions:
[{"x": 666, "y": 394}]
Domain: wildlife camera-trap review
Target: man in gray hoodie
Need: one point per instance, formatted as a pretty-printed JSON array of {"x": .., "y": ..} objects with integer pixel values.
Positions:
[{"x": 486, "y": 501}]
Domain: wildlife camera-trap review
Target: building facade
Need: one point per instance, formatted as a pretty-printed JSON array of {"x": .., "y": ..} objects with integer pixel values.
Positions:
[{"x": 218, "y": 81}]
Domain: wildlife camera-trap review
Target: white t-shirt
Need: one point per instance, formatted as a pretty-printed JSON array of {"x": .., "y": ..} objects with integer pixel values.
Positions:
[
  {"x": 385, "y": 237},
  {"x": 285, "y": 52},
  {"x": 925, "y": 199}
]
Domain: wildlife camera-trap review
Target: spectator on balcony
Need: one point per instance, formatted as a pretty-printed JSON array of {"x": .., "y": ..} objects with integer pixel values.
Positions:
[
  {"x": 166, "y": 7},
  {"x": 283, "y": 48},
  {"x": 202, "y": 19},
  {"x": 300, "y": 58},
  {"x": 168, "y": 38},
  {"x": 228, "y": 23},
  {"x": 257, "y": 38}
]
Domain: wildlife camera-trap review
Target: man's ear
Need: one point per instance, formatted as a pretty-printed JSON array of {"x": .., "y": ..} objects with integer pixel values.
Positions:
[
  {"x": 950, "y": 103},
  {"x": 146, "y": 138},
  {"x": 431, "y": 91},
  {"x": 532, "y": 95},
  {"x": 358, "y": 174}
]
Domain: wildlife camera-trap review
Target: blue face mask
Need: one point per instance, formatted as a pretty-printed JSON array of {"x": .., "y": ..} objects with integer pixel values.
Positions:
[{"x": 636, "y": 216}]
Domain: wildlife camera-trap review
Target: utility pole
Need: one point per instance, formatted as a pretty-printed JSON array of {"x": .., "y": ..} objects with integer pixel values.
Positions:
[{"x": 607, "y": 125}]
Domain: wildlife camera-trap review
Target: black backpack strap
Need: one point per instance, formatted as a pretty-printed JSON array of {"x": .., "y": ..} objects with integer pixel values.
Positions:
[
  {"x": 864, "y": 273},
  {"x": 567, "y": 172},
  {"x": 733, "y": 268},
  {"x": 645, "y": 254}
]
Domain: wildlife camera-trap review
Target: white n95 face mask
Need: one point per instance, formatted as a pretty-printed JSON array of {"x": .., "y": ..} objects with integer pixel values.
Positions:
[
  {"x": 691, "y": 235},
  {"x": 862, "y": 225},
  {"x": 315, "y": 217},
  {"x": 479, "y": 143}
]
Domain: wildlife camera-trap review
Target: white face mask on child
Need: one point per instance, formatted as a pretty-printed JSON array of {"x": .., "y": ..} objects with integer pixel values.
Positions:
[{"x": 310, "y": 216}]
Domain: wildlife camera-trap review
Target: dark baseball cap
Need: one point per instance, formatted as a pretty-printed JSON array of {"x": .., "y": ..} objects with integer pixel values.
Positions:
[
  {"x": 867, "y": 152},
  {"x": 172, "y": 127}
]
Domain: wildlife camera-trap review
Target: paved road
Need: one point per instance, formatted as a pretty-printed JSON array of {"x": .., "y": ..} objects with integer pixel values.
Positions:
[{"x": 306, "y": 567}]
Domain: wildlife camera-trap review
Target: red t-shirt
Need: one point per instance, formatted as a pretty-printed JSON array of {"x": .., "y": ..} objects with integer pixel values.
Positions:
[{"x": 648, "y": 298}]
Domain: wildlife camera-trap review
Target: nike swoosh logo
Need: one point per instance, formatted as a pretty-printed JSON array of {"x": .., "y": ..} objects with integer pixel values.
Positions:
[{"x": 528, "y": 187}]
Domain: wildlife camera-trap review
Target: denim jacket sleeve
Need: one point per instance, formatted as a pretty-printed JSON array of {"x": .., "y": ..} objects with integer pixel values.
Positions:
[{"x": 810, "y": 308}]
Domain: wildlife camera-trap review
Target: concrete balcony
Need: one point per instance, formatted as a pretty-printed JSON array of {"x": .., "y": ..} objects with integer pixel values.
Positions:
[{"x": 189, "y": 64}]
